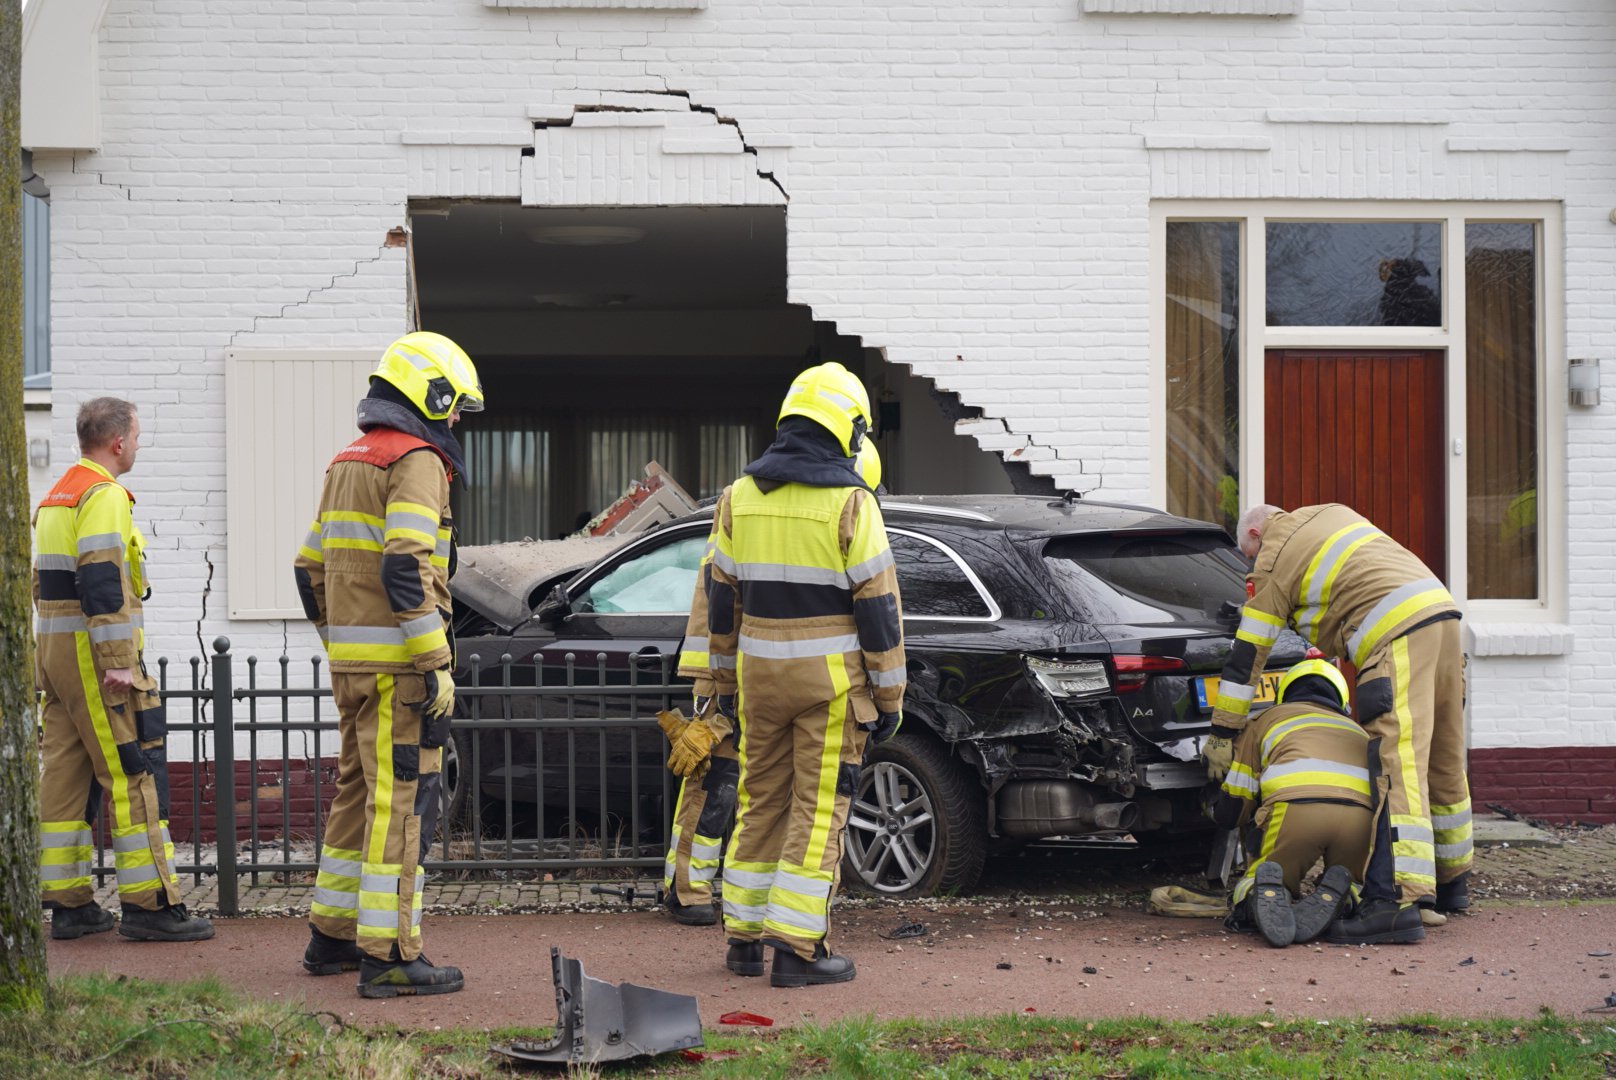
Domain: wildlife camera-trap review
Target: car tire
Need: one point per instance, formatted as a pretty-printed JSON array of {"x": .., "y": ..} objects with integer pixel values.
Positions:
[
  {"x": 457, "y": 783},
  {"x": 918, "y": 825}
]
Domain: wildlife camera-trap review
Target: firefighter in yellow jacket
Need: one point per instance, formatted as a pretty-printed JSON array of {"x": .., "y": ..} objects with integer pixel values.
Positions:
[
  {"x": 1300, "y": 770},
  {"x": 805, "y": 646},
  {"x": 104, "y": 723},
  {"x": 1357, "y": 594},
  {"x": 703, "y": 753},
  {"x": 373, "y": 576}
]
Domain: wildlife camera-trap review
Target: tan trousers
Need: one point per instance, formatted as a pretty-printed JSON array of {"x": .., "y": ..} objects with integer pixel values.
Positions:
[
  {"x": 1411, "y": 698},
  {"x": 705, "y": 811},
  {"x": 800, "y": 749},
  {"x": 1298, "y": 834},
  {"x": 93, "y": 745},
  {"x": 369, "y": 884}
]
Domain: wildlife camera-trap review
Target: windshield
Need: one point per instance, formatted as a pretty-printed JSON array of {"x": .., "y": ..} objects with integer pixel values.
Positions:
[{"x": 1148, "y": 578}]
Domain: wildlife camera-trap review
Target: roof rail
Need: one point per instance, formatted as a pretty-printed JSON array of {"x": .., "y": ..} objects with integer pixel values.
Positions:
[{"x": 939, "y": 511}]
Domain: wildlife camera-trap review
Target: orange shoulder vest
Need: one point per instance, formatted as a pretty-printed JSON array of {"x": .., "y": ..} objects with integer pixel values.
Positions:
[
  {"x": 75, "y": 484},
  {"x": 384, "y": 445}
]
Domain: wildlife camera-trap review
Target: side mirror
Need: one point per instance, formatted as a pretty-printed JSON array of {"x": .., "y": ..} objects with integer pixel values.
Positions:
[{"x": 554, "y": 609}]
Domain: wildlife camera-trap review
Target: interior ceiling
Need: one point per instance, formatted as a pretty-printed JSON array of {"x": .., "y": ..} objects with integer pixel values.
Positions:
[{"x": 482, "y": 256}]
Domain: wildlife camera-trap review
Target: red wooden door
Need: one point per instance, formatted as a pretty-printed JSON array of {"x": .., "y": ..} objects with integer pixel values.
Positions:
[{"x": 1362, "y": 427}]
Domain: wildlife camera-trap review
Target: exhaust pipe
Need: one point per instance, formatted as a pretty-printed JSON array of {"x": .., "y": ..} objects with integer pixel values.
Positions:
[{"x": 1036, "y": 808}]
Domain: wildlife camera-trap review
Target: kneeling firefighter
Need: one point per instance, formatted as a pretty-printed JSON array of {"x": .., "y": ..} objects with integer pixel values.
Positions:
[
  {"x": 1299, "y": 770},
  {"x": 805, "y": 648},
  {"x": 373, "y": 576},
  {"x": 703, "y": 752}
]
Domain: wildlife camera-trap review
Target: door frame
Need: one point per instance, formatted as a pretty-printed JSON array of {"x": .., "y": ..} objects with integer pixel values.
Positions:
[{"x": 1256, "y": 338}]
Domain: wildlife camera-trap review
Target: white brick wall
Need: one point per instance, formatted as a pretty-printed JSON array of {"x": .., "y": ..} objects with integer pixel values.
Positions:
[{"x": 969, "y": 189}]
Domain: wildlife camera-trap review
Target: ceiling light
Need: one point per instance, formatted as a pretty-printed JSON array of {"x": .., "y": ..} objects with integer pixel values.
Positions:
[
  {"x": 579, "y": 299},
  {"x": 585, "y": 235}
]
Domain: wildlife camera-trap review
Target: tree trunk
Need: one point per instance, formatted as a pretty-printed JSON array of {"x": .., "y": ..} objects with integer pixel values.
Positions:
[{"x": 22, "y": 960}]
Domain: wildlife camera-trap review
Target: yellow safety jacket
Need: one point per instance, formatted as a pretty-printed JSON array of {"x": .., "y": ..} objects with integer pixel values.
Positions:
[
  {"x": 693, "y": 653},
  {"x": 805, "y": 573},
  {"x": 373, "y": 573},
  {"x": 1342, "y": 583},
  {"x": 1299, "y": 751},
  {"x": 90, "y": 567}
]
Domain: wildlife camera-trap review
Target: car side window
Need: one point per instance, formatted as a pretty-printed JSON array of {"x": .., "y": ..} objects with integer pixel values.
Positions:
[
  {"x": 931, "y": 584},
  {"x": 660, "y": 581}
]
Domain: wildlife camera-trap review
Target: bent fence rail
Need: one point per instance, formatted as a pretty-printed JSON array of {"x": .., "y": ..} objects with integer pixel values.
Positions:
[{"x": 555, "y": 765}]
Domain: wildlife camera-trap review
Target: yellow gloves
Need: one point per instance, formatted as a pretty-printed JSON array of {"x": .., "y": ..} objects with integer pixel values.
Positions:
[
  {"x": 689, "y": 755},
  {"x": 440, "y": 689},
  {"x": 1218, "y": 753},
  {"x": 672, "y": 723}
]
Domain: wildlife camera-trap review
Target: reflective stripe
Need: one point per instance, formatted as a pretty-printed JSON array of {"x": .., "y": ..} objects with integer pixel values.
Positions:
[
  {"x": 413, "y": 522},
  {"x": 367, "y": 635},
  {"x": 415, "y": 628},
  {"x": 1302, "y": 723},
  {"x": 796, "y": 575},
  {"x": 75, "y": 835},
  {"x": 725, "y": 562},
  {"x": 749, "y": 916},
  {"x": 895, "y": 677},
  {"x": 440, "y": 553},
  {"x": 64, "y": 875},
  {"x": 100, "y": 542},
  {"x": 748, "y": 879},
  {"x": 56, "y": 562},
  {"x": 333, "y": 532},
  {"x": 816, "y": 888},
  {"x": 719, "y": 660},
  {"x": 1317, "y": 770},
  {"x": 792, "y": 920},
  {"x": 342, "y": 862},
  {"x": 701, "y": 875},
  {"x": 705, "y": 849},
  {"x": 112, "y": 632},
  {"x": 696, "y": 644},
  {"x": 340, "y": 899},
  {"x": 130, "y": 841},
  {"x": 1454, "y": 852},
  {"x": 1319, "y": 581},
  {"x": 62, "y": 624},
  {"x": 1394, "y": 608},
  {"x": 1414, "y": 831},
  {"x": 1240, "y": 782},
  {"x": 870, "y": 567},
  {"x": 799, "y": 649},
  {"x": 1242, "y": 692},
  {"x": 136, "y": 878},
  {"x": 1259, "y": 627}
]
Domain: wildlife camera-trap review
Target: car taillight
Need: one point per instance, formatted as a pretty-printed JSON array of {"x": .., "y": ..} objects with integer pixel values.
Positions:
[
  {"x": 1134, "y": 671},
  {"x": 1069, "y": 678}
]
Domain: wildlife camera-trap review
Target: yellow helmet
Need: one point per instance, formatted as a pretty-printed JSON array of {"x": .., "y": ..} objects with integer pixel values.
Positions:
[
  {"x": 434, "y": 373},
  {"x": 833, "y": 396},
  {"x": 867, "y": 462},
  {"x": 1322, "y": 668}
]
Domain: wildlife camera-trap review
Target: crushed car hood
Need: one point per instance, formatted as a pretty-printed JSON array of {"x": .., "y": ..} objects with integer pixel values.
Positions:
[{"x": 498, "y": 580}]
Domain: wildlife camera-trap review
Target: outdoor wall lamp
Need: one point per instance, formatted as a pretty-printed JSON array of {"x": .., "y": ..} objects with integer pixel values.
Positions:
[
  {"x": 39, "y": 453},
  {"x": 1582, "y": 380}
]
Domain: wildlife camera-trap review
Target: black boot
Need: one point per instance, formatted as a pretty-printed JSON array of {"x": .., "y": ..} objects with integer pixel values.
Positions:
[
  {"x": 404, "y": 978},
  {"x": 171, "y": 923},
  {"x": 74, "y": 922},
  {"x": 792, "y": 970},
  {"x": 1454, "y": 895},
  {"x": 330, "y": 956},
  {"x": 691, "y": 914},
  {"x": 744, "y": 957},
  {"x": 1321, "y": 907},
  {"x": 1270, "y": 906},
  {"x": 1378, "y": 922}
]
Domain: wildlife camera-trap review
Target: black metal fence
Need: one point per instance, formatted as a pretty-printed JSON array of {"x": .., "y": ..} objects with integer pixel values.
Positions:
[{"x": 556, "y": 766}]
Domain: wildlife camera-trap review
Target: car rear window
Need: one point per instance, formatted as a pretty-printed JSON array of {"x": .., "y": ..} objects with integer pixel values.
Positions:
[
  {"x": 1149, "y": 578},
  {"x": 932, "y": 583}
]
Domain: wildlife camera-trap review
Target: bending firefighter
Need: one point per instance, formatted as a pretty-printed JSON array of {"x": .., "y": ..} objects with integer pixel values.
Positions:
[
  {"x": 1355, "y": 593},
  {"x": 373, "y": 576},
  {"x": 703, "y": 753},
  {"x": 1299, "y": 771},
  {"x": 105, "y": 727},
  {"x": 805, "y": 647}
]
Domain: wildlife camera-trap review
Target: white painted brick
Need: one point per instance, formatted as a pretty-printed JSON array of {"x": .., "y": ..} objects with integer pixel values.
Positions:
[{"x": 967, "y": 181}]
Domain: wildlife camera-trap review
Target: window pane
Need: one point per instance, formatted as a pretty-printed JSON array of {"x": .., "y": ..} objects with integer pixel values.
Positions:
[
  {"x": 1203, "y": 370},
  {"x": 1151, "y": 579},
  {"x": 1360, "y": 273},
  {"x": 1501, "y": 409},
  {"x": 507, "y": 465},
  {"x": 658, "y": 582},
  {"x": 931, "y": 582}
]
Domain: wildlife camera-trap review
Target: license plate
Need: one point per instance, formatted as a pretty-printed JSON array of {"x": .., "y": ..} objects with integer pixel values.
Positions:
[{"x": 1206, "y": 690}]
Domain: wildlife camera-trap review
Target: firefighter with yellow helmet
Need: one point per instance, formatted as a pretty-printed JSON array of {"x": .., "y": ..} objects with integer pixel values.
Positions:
[
  {"x": 1356, "y": 593},
  {"x": 1300, "y": 772},
  {"x": 805, "y": 648},
  {"x": 703, "y": 753},
  {"x": 373, "y": 576},
  {"x": 104, "y": 724}
]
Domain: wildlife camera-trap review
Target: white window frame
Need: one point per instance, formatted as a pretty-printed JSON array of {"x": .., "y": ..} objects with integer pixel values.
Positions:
[{"x": 1256, "y": 338}]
